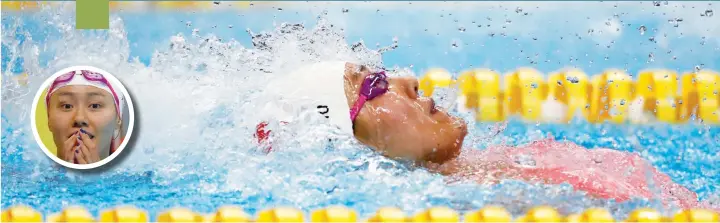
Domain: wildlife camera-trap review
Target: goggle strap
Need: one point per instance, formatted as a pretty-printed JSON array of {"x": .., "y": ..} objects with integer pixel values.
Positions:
[{"x": 356, "y": 107}]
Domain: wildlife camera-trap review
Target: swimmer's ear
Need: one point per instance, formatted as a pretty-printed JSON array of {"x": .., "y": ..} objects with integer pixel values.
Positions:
[
  {"x": 49, "y": 123},
  {"x": 50, "y": 126},
  {"x": 118, "y": 127}
]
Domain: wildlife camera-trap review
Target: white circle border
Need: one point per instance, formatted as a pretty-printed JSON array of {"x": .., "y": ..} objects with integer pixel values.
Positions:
[{"x": 131, "y": 122}]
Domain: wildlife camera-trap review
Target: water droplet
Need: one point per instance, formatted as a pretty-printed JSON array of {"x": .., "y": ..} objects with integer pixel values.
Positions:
[
  {"x": 188, "y": 24},
  {"x": 642, "y": 30},
  {"x": 656, "y": 3},
  {"x": 230, "y": 26},
  {"x": 279, "y": 9},
  {"x": 622, "y": 102},
  {"x": 697, "y": 69},
  {"x": 344, "y": 10},
  {"x": 518, "y": 10},
  {"x": 461, "y": 29},
  {"x": 573, "y": 80},
  {"x": 590, "y": 31},
  {"x": 709, "y": 13},
  {"x": 675, "y": 21},
  {"x": 534, "y": 85},
  {"x": 508, "y": 21}
]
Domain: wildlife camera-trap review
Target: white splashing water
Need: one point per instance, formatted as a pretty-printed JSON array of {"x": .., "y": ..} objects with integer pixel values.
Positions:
[{"x": 195, "y": 99}]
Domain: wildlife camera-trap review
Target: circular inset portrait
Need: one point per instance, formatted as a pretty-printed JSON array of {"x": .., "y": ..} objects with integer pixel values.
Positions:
[{"x": 82, "y": 117}]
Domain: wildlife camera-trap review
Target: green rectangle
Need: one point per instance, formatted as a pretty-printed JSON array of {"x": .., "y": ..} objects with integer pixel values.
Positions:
[{"x": 92, "y": 14}]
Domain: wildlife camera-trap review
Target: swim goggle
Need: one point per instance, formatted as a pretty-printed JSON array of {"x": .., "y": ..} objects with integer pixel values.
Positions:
[
  {"x": 374, "y": 85},
  {"x": 90, "y": 77}
]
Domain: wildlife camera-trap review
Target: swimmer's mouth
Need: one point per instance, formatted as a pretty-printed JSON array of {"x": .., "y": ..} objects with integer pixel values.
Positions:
[{"x": 433, "y": 107}]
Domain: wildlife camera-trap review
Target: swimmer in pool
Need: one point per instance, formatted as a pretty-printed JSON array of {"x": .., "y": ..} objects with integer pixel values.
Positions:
[
  {"x": 389, "y": 115},
  {"x": 84, "y": 116}
]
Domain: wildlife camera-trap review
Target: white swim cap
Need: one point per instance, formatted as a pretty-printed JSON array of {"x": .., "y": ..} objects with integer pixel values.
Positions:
[{"x": 319, "y": 87}]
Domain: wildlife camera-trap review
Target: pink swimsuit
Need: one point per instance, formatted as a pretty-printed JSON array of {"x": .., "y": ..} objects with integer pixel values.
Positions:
[{"x": 604, "y": 173}]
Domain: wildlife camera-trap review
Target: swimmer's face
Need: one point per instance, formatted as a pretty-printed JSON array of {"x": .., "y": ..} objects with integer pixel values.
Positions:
[
  {"x": 74, "y": 107},
  {"x": 402, "y": 124}
]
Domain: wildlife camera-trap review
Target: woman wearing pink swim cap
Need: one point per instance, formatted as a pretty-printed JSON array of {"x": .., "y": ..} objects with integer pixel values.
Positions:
[
  {"x": 389, "y": 115},
  {"x": 84, "y": 115}
]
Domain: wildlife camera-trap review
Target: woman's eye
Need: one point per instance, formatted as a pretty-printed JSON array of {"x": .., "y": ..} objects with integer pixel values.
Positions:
[
  {"x": 95, "y": 106},
  {"x": 66, "y": 106}
]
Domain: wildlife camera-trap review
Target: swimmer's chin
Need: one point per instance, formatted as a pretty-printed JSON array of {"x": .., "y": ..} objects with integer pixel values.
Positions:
[
  {"x": 456, "y": 121},
  {"x": 460, "y": 123}
]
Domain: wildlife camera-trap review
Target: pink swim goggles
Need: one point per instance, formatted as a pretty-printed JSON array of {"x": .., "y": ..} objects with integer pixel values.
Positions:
[
  {"x": 374, "y": 85},
  {"x": 89, "y": 76}
]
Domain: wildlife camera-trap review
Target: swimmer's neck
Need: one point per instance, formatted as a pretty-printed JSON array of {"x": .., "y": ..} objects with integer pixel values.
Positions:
[{"x": 463, "y": 162}]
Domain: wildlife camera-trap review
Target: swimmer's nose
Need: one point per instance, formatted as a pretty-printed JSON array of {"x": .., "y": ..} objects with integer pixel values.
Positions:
[{"x": 80, "y": 119}]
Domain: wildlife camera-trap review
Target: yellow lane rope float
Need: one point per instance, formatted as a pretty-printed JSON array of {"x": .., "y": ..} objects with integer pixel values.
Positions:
[
  {"x": 655, "y": 95},
  {"x": 21, "y": 213}
]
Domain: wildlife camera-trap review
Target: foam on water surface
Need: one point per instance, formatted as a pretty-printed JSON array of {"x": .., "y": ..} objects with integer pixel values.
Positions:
[{"x": 194, "y": 99}]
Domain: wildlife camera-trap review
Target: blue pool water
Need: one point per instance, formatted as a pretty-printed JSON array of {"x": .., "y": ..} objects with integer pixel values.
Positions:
[{"x": 193, "y": 100}]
